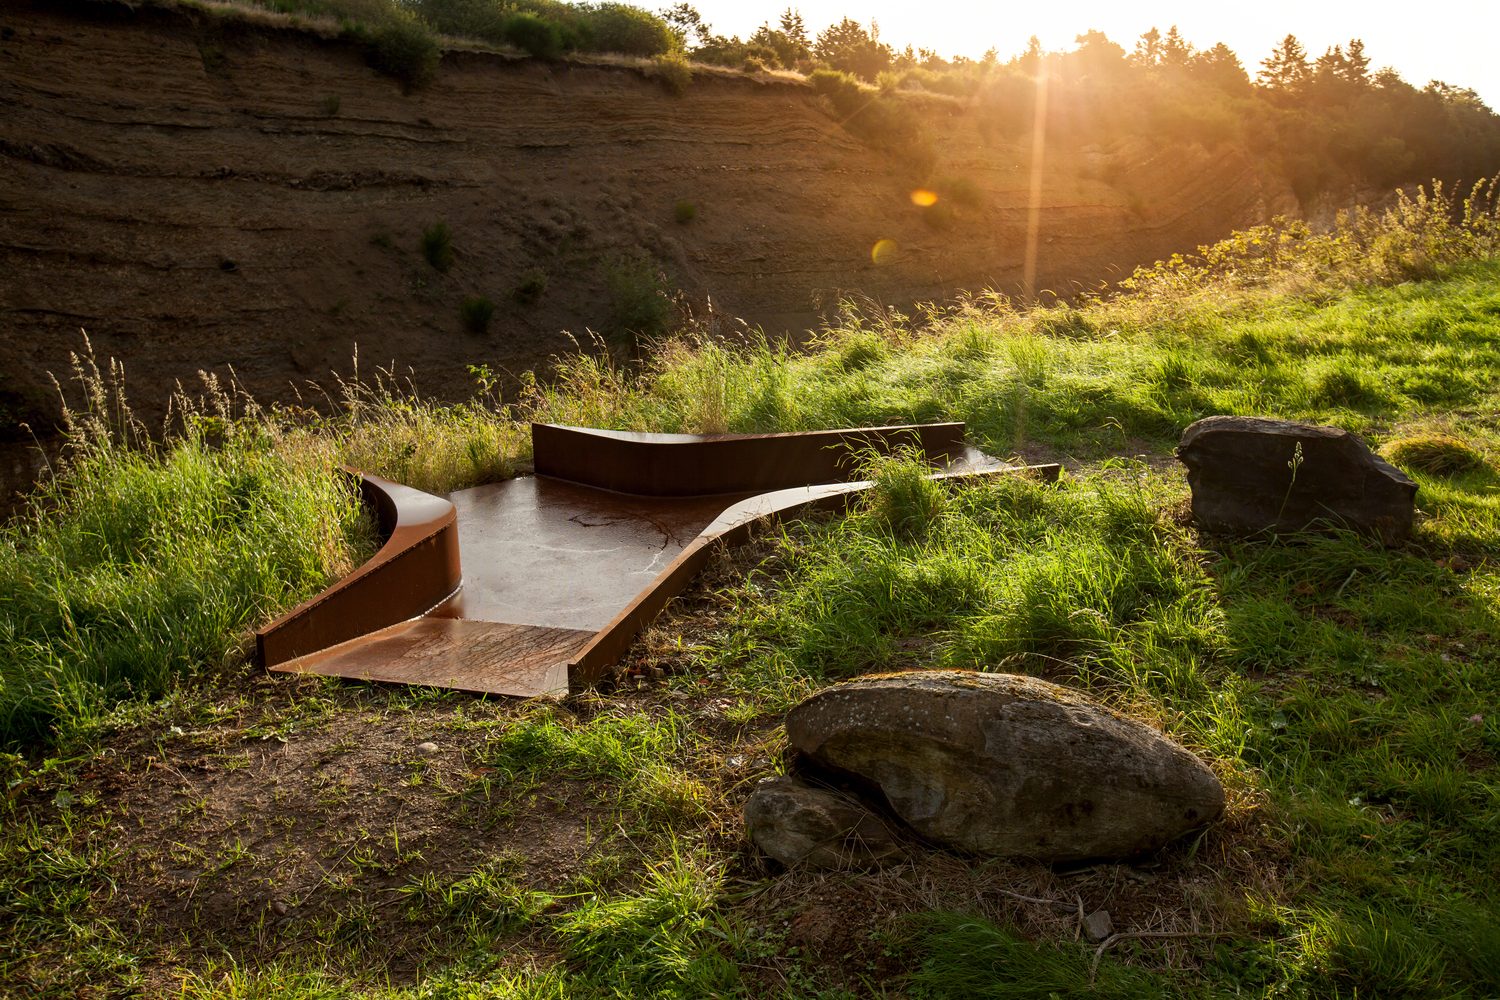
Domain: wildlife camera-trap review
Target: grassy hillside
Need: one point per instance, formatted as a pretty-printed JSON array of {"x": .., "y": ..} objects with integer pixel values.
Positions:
[{"x": 203, "y": 831}]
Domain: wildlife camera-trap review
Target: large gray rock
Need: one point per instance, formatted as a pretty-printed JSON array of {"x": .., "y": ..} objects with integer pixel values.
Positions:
[
  {"x": 800, "y": 825},
  {"x": 1008, "y": 765},
  {"x": 1240, "y": 471}
]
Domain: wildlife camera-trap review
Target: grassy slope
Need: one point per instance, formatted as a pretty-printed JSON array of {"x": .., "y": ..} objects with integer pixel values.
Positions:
[{"x": 1345, "y": 693}]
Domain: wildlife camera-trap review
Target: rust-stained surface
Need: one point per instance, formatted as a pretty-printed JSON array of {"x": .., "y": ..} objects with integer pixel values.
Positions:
[
  {"x": 527, "y": 661},
  {"x": 416, "y": 568},
  {"x": 559, "y": 576},
  {"x": 542, "y": 551},
  {"x": 666, "y": 465}
]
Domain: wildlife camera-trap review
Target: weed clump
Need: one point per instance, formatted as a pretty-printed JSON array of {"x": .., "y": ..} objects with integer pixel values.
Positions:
[
  {"x": 475, "y": 312},
  {"x": 533, "y": 283},
  {"x": 640, "y": 302},
  {"x": 437, "y": 245},
  {"x": 1434, "y": 454},
  {"x": 1342, "y": 384},
  {"x": 905, "y": 499},
  {"x": 685, "y": 212}
]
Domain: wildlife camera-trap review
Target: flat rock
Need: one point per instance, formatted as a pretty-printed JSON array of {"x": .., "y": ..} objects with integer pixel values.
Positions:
[
  {"x": 1008, "y": 765},
  {"x": 798, "y": 824},
  {"x": 1240, "y": 471}
]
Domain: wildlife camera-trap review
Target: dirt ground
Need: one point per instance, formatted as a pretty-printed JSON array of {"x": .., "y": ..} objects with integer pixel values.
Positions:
[{"x": 281, "y": 818}]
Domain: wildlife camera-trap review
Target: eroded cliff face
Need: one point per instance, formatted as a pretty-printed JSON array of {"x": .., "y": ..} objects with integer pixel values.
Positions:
[{"x": 199, "y": 194}]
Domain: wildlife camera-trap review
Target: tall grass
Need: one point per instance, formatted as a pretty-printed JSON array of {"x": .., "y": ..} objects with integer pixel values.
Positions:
[
  {"x": 146, "y": 562},
  {"x": 142, "y": 564}
]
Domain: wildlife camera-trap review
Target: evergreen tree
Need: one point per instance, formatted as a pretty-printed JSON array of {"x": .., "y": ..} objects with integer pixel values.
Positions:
[
  {"x": 792, "y": 26},
  {"x": 1220, "y": 67},
  {"x": 1031, "y": 59},
  {"x": 1356, "y": 63},
  {"x": 848, "y": 47},
  {"x": 1148, "y": 49},
  {"x": 684, "y": 20},
  {"x": 1285, "y": 69},
  {"x": 1097, "y": 56},
  {"x": 1176, "y": 52}
]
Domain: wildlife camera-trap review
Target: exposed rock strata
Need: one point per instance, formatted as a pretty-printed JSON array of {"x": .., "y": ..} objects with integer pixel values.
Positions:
[{"x": 146, "y": 147}]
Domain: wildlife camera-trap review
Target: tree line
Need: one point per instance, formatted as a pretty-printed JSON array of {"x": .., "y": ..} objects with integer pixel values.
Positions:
[{"x": 1322, "y": 121}]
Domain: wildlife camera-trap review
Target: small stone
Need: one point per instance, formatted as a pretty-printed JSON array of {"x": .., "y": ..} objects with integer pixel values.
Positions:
[
  {"x": 800, "y": 825},
  {"x": 428, "y": 747},
  {"x": 1458, "y": 564},
  {"x": 278, "y": 907},
  {"x": 1097, "y": 925}
]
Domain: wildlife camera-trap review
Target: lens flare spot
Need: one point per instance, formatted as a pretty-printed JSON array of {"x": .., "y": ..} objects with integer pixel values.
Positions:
[
  {"x": 884, "y": 252},
  {"x": 923, "y": 198}
]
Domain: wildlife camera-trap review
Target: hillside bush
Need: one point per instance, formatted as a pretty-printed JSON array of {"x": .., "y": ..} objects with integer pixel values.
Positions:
[
  {"x": 640, "y": 302},
  {"x": 475, "y": 312},
  {"x": 534, "y": 35},
  {"x": 673, "y": 71},
  {"x": 618, "y": 27},
  {"x": 437, "y": 245},
  {"x": 403, "y": 47},
  {"x": 533, "y": 283},
  {"x": 884, "y": 122}
]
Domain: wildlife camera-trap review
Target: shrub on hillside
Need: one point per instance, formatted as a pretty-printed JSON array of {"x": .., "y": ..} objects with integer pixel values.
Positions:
[
  {"x": 673, "y": 71},
  {"x": 533, "y": 284},
  {"x": 534, "y": 35},
  {"x": 475, "y": 312},
  {"x": 883, "y": 122},
  {"x": 639, "y": 300},
  {"x": 618, "y": 27},
  {"x": 437, "y": 245},
  {"x": 404, "y": 48}
]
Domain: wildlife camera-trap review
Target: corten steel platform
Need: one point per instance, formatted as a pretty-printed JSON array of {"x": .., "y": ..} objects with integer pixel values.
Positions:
[{"x": 536, "y": 586}]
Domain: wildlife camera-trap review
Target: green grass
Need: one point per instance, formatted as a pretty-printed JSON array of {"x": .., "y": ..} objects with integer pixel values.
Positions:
[
  {"x": 136, "y": 570},
  {"x": 1363, "y": 360},
  {"x": 1344, "y": 692},
  {"x": 143, "y": 566}
]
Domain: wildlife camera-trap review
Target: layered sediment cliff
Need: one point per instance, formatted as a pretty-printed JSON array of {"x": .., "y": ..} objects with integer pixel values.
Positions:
[{"x": 200, "y": 193}]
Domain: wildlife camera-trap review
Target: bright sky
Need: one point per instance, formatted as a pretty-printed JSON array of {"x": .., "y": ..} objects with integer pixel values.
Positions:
[{"x": 1453, "y": 42}]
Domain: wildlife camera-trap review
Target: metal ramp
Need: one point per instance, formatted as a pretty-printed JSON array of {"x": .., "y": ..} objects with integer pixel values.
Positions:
[{"x": 535, "y": 586}]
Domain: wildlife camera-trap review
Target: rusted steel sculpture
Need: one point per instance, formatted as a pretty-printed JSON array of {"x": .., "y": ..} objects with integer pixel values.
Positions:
[{"x": 561, "y": 570}]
